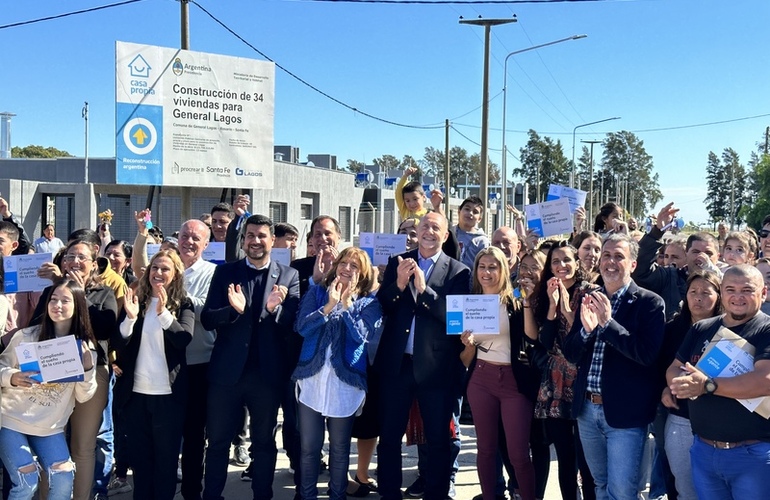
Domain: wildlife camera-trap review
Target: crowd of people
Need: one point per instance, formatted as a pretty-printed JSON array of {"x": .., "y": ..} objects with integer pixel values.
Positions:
[{"x": 598, "y": 351}]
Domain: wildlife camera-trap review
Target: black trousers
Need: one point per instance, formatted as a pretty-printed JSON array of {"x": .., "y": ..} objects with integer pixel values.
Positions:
[
  {"x": 194, "y": 432},
  {"x": 154, "y": 433},
  {"x": 436, "y": 403},
  {"x": 262, "y": 398}
]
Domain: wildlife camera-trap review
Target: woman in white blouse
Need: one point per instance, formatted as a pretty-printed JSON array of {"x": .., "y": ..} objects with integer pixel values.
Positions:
[{"x": 151, "y": 392}]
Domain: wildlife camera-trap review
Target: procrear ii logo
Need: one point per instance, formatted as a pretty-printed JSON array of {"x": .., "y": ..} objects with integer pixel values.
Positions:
[{"x": 177, "y": 67}]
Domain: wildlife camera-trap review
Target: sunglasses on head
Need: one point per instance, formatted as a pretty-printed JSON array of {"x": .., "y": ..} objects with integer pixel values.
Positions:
[{"x": 764, "y": 233}]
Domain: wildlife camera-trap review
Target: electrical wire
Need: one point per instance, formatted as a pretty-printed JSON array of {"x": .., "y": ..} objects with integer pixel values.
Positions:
[
  {"x": 308, "y": 84},
  {"x": 661, "y": 129},
  {"x": 67, "y": 14},
  {"x": 479, "y": 145},
  {"x": 582, "y": 120},
  {"x": 452, "y": 2}
]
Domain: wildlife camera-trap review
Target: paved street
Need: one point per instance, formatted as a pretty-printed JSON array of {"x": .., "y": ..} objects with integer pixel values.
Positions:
[{"x": 466, "y": 487}]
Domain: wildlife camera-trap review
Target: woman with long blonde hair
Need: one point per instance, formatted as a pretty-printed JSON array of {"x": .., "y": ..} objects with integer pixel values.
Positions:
[
  {"x": 158, "y": 322},
  {"x": 501, "y": 384}
]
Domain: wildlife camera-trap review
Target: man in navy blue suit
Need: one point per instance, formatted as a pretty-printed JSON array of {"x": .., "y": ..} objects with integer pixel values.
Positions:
[
  {"x": 615, "y": 343},
  {"x": 252, "y": 305},
  {"x": 417, "y": 359}
]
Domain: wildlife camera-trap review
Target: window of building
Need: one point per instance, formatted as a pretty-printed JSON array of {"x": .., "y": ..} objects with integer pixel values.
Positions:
[
  {"x": 345, "y": 220},
  {"x": 306, "y": 211},
  {"x": 278, "y": 211}
]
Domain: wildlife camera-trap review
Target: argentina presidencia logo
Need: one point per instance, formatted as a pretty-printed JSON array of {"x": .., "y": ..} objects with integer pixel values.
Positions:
[{"x": 177, "y": 67}]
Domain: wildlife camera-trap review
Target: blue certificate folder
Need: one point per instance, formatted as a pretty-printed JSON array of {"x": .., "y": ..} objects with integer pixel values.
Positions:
[{"x": 28, "y": 363}]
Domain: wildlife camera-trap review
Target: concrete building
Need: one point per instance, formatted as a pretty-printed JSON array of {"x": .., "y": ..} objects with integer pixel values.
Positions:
[
  {"x": 42, "y": 191},
  {"x": 56, "y": 191}
]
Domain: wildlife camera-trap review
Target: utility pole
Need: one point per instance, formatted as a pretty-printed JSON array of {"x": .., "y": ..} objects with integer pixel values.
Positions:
[
  {"x": 767, "y": 140},
  {"x": 185, "y": 18},
  {"x": 446, "y": 170},
  {"x": 484, "y": 174},
  {"x": 591, "y": 181},
  {"x": 84, "y": 114},
  {"x": 732, "y": 197}
]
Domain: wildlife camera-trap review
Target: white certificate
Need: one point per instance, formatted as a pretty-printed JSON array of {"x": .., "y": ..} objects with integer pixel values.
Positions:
[
  {"x": 281, "y": 255},
  {"x": 21, "y": 272},
  {"x": 55, "y": 360},
  {"x": 730, "y": 356},
  {"x": 477, "y": 313},
  {"x": 215, "y": 252},
  {"x": 381, "y": 246},
  {"x": 550, "y": 218},
  {"x": 576, "y": 197}
]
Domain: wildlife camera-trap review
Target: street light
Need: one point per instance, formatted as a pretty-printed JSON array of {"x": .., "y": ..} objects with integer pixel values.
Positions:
[
  {"x": 503, "y": 200},
  {"x": 572, "y": 176},
  {"x": 484, "y": 173}
]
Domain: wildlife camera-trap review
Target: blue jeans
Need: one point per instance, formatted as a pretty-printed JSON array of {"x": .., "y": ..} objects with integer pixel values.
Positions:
[
  {"x": 311, "y": 435},
  {"x": 105, "y": 446},
  {"x": 678, "y": 444},
  {"x": 730, "y": 474},
  {"x": 16, "y": 451},
  {"x": 613, "y": 455}
]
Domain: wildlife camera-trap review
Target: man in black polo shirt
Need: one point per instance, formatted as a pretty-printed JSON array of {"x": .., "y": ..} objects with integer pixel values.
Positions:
[{"x": 731, "y": 451}]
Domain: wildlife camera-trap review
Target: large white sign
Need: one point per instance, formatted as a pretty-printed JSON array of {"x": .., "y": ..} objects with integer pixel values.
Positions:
[{"x": 188, "y": 118}]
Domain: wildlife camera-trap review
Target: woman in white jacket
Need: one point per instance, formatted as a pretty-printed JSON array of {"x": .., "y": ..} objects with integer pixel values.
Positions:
[{"x": 33, "y": 414}]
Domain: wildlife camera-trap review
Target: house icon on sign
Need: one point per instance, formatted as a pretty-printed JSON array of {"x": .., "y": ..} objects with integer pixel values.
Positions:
[{"x": 139, "y": 67}]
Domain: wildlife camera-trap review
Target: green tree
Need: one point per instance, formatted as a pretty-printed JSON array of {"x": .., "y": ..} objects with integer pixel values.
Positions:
[
  {"x": 717, "y": 190},
  {"x": 583, "y": 179},
  {"x": 735, "y": 180},
  {"x": 542, "y": 163},
  {"x": 408, "y": 161},
  {"x": 628, "y": 173},
  {"x": 755, "y": 212},
  {"x": 462, "y": 166},
  {"x": 34, "y": 151},
  {"x": 355, "y": 166},
  {"x": 387, "y": 162}
]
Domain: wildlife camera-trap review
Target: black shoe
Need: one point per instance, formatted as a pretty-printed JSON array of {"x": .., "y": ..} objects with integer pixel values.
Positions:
[
  {"x": 246, "y": 474},
  {"x": 497, "y": 497},
  {"x": 416, "y": 489},
  {"x": 359, "y": 489}
]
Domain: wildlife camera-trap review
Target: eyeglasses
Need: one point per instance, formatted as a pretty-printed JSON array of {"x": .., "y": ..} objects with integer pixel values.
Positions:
[
  {"x": 78, "y": 258},
  {"x": 764, "y": 233},
  {"x": 531, "y": 269}
]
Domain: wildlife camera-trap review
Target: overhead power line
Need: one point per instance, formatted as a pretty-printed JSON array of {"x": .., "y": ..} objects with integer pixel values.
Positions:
[
  {"x": 451, "y": 2},
  {"x": 661, "y": 129},
  {"x": 67, "y": 14},
  {"x": 310, "y": 85}
]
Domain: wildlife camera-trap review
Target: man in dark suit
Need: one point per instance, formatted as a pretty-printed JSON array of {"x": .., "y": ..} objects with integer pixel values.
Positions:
[
  {"x": 615, "y": 343},
  {"x": 252, "y": 304},
  {"x": 416, "y": 358},
  {"x": 325, "y": 236}
]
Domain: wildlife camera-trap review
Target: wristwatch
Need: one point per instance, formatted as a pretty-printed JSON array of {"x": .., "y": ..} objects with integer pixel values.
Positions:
[{"x": 710, "y": 386}]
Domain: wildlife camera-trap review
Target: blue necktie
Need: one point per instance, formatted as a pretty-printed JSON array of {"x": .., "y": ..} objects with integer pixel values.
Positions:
[{"x": 427, "y": 267}]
